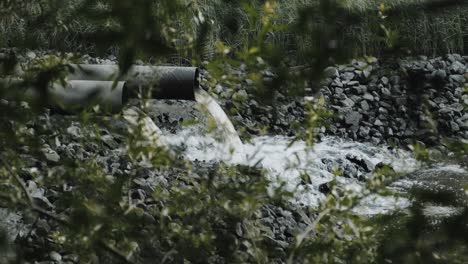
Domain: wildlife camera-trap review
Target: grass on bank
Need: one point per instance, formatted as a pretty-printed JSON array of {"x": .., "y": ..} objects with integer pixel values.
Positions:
[{"x": 419, "y": 32}]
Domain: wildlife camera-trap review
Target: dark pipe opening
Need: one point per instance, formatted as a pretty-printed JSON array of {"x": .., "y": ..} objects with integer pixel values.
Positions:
[{"x": 176, "y": 85}]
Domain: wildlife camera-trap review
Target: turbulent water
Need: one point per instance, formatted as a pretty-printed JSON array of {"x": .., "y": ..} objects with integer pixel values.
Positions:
[
  {"x": 285, "y": 162},
  {"x": 149, "y": 129}
]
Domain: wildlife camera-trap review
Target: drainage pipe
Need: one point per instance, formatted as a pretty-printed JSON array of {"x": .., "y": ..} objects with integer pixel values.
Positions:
[
  {"x": 89, "y": 85},
  {"x": 73, "y": 96},
  {"x": 161, "y": 82}
]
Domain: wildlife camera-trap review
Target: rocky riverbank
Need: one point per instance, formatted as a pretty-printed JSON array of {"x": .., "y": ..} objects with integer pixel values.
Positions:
[
  {"x": 63, "y": 140},
  {"x": 371, "y": 101},
  {"x": 402, "y": 102},
  {"x": 399, "y": 103}
]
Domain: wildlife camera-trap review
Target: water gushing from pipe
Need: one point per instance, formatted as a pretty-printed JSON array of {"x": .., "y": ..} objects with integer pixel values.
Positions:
[
  {"x": 151, "y": 134},
  {"x": 222, "y": 121}
]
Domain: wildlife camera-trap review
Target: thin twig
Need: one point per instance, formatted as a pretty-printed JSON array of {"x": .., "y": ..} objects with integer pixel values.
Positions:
[
  {"x": 167, "y": 255},
  {"x": 300, "y": 238},
  {"x": 59, "y": 219},
  {"x": 33, "y": 205},
  {"x": 115, "y": 252}
]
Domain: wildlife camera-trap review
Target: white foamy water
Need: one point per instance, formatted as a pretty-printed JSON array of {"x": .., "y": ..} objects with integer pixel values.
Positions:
[
  {"x": 221, "y": 119},
  {"x": 135, "y": 117},
  {"x": 285, "y": 162},
  {"x": 455, "y": 168}
]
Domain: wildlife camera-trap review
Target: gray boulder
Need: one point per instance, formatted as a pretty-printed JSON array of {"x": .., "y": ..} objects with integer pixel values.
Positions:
[{"x": 352, "y": 118}]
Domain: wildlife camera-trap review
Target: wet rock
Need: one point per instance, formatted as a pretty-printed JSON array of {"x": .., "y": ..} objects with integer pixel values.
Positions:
[
  {"x": 458, "y": 78},
  {"x": 347, "y": 102},
  {"x": 463, "y": 122},
  {"x": 395, "y": 79},
  {"x": 365, "y": 74},
  {"x": 71, "y": 258},
  {"x": 384, "y": 80},
  {"x": 50, "y": 154},
  {"x": 368, "y": 97},
  {"x": 42, "y": 227},
  {"x": 350, "y": 171},
  {"x": 364, "y": 106},
  {"x": 352, "y": 118},
  {"x": 31, "y": 54},
  {"x": 454, "y": 126},
  {"x": 364, "y": 132},
  {"x": 75, "y": 131},
  {"x": 361, "y": 162},
  {"x": 457, "y": 68},
  {"x": 331, "y": 72},
  {"x": 383, "y": 111},
  {"x": 347, "y": 76},
  {"x": 338, "y": 91},
  {"x": 324, "y": 188},
  {"x": 378, "y": 123},
  {"x": 439, "y": 74},
  {"x": 386, "y": 92},
  {"x": 360, "y": 89},
  {"x": 110, "y": 141},
  {"x": 55, "y": 256}
]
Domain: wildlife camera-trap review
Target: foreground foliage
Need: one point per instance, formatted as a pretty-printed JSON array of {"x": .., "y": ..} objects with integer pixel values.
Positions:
[{"x": 194, "y": 214}]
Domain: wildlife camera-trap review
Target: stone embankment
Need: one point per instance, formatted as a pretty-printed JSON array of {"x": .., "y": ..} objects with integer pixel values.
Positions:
[
  {"x": 410, "y": 100},
  {"x": 398, "y": 103}
]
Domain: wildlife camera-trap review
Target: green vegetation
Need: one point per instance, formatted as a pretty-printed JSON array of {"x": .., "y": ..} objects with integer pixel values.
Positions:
[
  {"x": 64, "y": 25},
  {"x": 198, "y": 214}
]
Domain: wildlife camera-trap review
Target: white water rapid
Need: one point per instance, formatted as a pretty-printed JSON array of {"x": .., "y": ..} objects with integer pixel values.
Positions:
[{"x": 286, "y": 163}]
